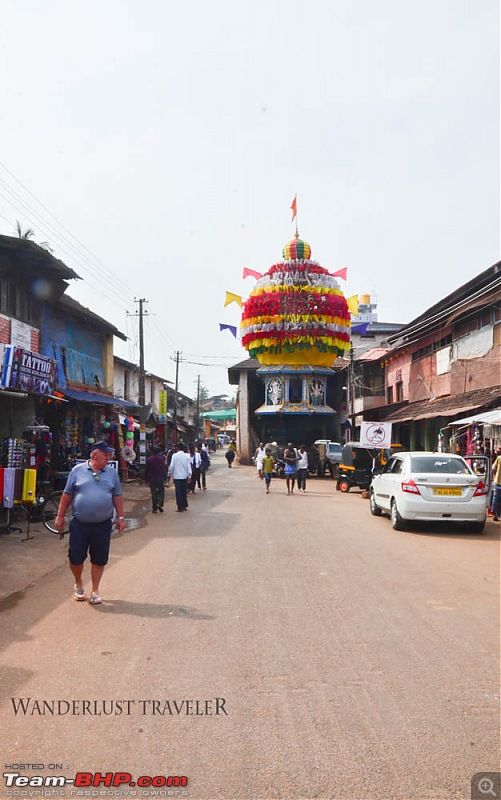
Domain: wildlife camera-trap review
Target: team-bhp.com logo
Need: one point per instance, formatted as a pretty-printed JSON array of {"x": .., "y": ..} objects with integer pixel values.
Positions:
[{"x": 94, "y": 779}]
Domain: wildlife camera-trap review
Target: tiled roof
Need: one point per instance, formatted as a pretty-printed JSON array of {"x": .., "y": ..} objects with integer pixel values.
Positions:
[
  {"x": 448, "y": 406},
  {"x": 373, "y": 355}
]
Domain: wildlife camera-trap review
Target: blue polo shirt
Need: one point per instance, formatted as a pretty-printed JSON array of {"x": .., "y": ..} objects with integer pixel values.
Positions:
[{"x": 93, "y": 492}]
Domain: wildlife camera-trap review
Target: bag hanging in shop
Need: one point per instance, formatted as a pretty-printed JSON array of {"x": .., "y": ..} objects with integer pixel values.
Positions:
[
  {"x": 29, "y": 485},
  {"x": 18, "y": 485},
  {"x": 8, "y": 487}
]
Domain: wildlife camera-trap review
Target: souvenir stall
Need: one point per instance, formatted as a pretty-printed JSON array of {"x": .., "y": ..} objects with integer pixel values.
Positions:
[
  {"x": 76, "y": 426},
  {"x": 18, "y": 473},
  {"x": 479, "y": 434},
  {"x": 27, "y": 380}
]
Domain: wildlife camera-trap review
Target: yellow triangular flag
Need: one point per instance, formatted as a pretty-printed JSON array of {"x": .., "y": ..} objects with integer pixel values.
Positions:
[
  {"x": 353, "y": 304},
  {"x": 233, "y": 298}
]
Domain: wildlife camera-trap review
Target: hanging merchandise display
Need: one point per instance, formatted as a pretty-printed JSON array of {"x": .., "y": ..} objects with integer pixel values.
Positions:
[{"x": 13, "y": 453}]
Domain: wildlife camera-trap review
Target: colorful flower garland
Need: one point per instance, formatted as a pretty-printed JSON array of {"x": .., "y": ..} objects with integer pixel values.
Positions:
[{"x": 296, "y": 309}]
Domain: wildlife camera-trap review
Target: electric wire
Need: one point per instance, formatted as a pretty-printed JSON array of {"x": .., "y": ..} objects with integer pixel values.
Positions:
[
  {"x": 61, "y": 225},
  {"x": 74, "y": 258},
  {"x": 83, "y": 262},
  {"x": 58, "y": 239}
]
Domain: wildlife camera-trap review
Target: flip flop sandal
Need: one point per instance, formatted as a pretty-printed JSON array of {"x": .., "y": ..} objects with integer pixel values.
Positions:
[
  {"x": 79, "y": 594},
  {"x": 95, "y": 599}
]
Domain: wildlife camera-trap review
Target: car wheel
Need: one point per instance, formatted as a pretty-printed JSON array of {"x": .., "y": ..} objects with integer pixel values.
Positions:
[
  {"x": 344, "y": 485},
  {"x": 397, "y": 522},
  {"x": 476, "y": 527},
  {"x": 375, "y": 510}
]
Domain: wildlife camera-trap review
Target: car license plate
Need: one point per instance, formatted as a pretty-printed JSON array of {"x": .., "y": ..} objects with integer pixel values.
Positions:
[{"x": 453, "y": 492}]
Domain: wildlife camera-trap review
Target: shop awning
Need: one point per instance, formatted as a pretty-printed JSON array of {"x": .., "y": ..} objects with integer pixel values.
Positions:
[
  {"x": 487, "y": 418},
  {"x": 95, "y": 397},
  {"x": 412, "y": 413},
  {"x": 447, "y": 406},
  {"x": 443, "y": 412},
  {"x": 226, "y": 413}
]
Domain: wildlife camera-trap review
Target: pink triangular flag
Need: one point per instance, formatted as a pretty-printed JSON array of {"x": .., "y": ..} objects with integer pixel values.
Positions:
[{"x": 251, "y": 273}]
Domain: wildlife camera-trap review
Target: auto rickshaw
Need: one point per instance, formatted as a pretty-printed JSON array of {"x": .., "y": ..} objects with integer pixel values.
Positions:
[{"x": 358, "y": 463}]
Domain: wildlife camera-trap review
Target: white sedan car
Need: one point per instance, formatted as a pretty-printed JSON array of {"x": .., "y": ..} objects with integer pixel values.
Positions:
[{"x": 429, "y": 487}]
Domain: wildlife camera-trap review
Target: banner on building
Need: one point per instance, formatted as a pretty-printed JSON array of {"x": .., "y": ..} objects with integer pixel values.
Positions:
[
  {"x": 162, "y": 402},
  {"x": 27, "y": 371},
  {"x": 375, "y": 434}
]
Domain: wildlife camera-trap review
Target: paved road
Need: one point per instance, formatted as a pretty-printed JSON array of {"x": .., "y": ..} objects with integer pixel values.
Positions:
[{"x": 345, "y": 660}]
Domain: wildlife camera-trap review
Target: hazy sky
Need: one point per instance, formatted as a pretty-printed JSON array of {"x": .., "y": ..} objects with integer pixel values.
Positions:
[{"x": 169, "y": 139}]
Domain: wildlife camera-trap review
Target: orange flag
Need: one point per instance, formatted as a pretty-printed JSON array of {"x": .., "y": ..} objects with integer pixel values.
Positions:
[{"x": 294, "y": 208}]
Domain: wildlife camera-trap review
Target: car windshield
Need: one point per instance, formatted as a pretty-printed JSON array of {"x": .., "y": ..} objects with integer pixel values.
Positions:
[{"x": 450, "y": 466}]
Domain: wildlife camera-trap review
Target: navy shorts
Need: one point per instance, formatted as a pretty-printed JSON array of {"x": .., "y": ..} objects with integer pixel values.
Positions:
[{"x": 91, "y": 537}]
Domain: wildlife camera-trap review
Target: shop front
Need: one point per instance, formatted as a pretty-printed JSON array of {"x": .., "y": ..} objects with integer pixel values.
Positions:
[
  {"x": 27, "y": 382},
  {"x": 78, "y": 418},
  {"x": 478, "y": 434}
]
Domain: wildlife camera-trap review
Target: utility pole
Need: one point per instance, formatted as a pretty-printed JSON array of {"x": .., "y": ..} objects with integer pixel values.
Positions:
[
  {"x": 351, "y": 398},
  {"x": 142, "y": 391},
  {"x": 140, "y": 314},
  {"x": 198, "y": 408},
  {"x": 177, "y": 359}
]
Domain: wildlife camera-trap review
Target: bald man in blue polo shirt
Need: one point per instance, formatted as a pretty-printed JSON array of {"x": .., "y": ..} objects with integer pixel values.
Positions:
[{"x": 95, "y": 492}]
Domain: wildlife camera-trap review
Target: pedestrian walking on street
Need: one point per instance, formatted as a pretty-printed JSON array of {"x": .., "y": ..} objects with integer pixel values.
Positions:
[
  {"x": 204, "y": 464},
  {"x": 230, "y": 456},
  {"x": 302, "y": 468},
  {"x": 93, "y": 489},
  {"x": 268, "y": 463},
  {"x": 196, "y": 462},
  {"x": 180, "y": 471},
  {"x": 496, "y": 478},
  {"x": 291, "y": 459},
  {"x": 155, "y": 474},
  {"x": 258, "y": 459}
]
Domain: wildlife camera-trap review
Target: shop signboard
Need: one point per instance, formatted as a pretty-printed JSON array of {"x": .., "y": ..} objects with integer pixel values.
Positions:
[
  {"x": 162, "y": 402},
  {"x": 27, "y": 371},
  {"x": 375, "y": 434},
  {"x": 20, "y": 334},
  {"x": 162, "y": 406}
]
